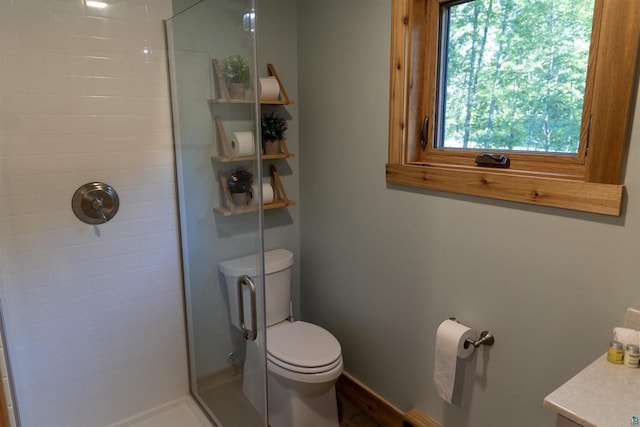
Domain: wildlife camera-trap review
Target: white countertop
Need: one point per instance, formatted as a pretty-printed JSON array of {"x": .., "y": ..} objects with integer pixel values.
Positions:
[{"x": 601, "y": 395}]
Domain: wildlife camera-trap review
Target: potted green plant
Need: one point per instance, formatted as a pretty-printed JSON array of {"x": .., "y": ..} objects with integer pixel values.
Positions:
[
  {"x": 239, "y": 183},
  {"x": 273, "y": 128},
  {"x": 235, "y": 70}
]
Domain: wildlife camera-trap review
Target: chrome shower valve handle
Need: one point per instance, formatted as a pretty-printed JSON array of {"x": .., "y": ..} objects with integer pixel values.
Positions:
[{"x": 95, "y": 203}]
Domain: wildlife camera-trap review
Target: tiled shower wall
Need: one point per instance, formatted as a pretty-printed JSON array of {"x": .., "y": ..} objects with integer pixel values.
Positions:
[{"x": 94, "y": 321}]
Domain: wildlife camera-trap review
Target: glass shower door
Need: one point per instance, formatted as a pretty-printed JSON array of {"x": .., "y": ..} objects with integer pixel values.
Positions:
[{"x": 210, "y": 45}]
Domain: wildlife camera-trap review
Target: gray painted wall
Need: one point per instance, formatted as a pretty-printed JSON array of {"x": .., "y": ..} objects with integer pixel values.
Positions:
[
  {"x": 277, "y": 44},
  {"x": 383, "y": 266}
]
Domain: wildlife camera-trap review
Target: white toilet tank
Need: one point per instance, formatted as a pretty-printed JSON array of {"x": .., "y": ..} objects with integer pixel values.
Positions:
[{"x": 277, "y": 264}]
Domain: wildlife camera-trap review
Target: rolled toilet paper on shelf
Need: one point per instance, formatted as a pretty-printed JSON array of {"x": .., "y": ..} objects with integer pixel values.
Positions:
[
  {"x": 242, "y": 144},
  {"x": 450, "y": 340},
  {"x": 269, "y": 89},
  {"x": 267, "y": 194}
]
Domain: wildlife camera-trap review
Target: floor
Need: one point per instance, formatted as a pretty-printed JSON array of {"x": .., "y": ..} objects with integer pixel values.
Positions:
[
  {"x": 222, "y": 392},
  {"x": 352, "y": 416},
  {"x": 228, "y": 403},
  {"x": 231, "y": 408}
]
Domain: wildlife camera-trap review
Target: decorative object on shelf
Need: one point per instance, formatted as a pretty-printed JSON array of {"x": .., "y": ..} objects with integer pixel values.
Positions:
[
  {"x": 273, "y": 128},
  {"x": 221, "y": 90},
  {"x": 280, "y": 198},
  {"x": 235, "y": 69},
  {"x": 227, "y": 152},
  {"x": 239, "y": 183}
]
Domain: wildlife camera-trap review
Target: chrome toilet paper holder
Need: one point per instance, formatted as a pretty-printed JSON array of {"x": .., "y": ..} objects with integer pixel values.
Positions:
[{"x": 486, "y": 338}]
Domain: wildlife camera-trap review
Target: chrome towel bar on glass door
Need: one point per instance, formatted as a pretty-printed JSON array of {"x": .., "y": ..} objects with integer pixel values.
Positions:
[{"x": 248, "y": 334}]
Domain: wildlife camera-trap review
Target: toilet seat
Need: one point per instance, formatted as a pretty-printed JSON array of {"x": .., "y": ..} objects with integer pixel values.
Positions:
[
  {"x": 303, "y": 350},
  {"x": 303, "y": 370},
  {"x": 317, "y": 378}
]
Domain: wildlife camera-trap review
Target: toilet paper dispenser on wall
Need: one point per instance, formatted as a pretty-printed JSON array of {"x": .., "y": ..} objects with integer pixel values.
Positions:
[
  {"x": 454, "y": 341},
  {"x": 486, "y": 338}
]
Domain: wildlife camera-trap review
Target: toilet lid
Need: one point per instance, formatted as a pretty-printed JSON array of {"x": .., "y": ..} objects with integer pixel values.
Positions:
[{"x": 301, "y": 344}]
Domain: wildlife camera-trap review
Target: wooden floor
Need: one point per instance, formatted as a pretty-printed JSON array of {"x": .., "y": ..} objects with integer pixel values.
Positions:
[{"x": 352, "y": 416}]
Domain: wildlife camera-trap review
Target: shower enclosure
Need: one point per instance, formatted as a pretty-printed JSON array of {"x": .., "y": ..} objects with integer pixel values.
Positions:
[
  {"x": 94, "y": 324},
  {"x": 202, "y": 40}
]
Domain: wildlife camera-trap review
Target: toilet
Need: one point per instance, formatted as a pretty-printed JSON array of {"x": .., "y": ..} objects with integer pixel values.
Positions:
[{"x": 304, "y": 360}]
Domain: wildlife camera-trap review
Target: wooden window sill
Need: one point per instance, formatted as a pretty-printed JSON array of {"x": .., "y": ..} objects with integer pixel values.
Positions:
[{"x": 537, "y": 190}]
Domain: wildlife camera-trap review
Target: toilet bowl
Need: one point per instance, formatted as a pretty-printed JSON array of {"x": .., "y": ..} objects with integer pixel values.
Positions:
[
  {"x": 303, "y": 363},
  {"x": 304, "y": 360}
]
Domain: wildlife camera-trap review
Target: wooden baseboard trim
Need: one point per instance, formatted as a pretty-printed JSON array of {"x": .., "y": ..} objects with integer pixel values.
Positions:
[
  {"x": 415, "y": 418},
  {"x": 4, "y": 415},
  {"x": 372, "y": 404},
  {"x": 377, "y": 408}
]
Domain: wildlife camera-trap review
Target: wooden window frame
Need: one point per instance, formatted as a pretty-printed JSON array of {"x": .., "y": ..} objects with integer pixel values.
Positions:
[{"x": 588, "y": 181}]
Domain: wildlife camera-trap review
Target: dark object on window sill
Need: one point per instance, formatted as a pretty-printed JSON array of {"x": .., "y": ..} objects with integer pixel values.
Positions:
[{"x": 493, "y": 160}]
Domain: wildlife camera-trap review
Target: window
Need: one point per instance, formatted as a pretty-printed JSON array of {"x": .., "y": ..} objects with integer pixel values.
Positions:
[
  {"x": 467, "y": 80},
  {"x": 513, "y": 74}
]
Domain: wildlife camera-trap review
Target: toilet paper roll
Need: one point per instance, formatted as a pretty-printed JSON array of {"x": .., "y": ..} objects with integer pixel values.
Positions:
[
  {"x": 269, "y": 88},
  {"x": 242, "y": 144},
  {"x": 450, "y": 340},
  {"x": 267, "y": 194}
]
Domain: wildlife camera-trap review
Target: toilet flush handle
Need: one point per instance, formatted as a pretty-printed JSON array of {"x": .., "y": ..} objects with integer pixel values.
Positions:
[{"x": 248, "y": 334}]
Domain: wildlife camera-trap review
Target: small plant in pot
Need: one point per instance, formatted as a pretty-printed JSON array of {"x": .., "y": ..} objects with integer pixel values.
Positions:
[
  {"x": 235, "y": 69},
  {"x": 239, "y": 183},
  {"x": 273, "y": 128}
]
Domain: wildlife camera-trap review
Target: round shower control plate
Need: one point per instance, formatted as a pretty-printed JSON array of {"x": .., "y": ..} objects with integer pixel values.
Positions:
[{"x": 95, "y": 203}]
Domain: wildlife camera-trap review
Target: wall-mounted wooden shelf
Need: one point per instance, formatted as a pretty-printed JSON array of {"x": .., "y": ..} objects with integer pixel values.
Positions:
[
  {"x": 225, "y": 151},
  {"x": 222, "y": 92},
  {"x": 250, "y": 158},
  {"x": 249, "y": 101},
  {"x": 240, "y": 210},
  {"x": 228, "y": 208}
]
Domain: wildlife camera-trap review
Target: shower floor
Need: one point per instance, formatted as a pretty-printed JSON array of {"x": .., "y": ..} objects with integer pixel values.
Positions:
[{"x": 180, "y": 413}]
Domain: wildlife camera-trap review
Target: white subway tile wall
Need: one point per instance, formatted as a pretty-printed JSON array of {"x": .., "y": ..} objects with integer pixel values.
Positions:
[{"x": 94, "y": 320}]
